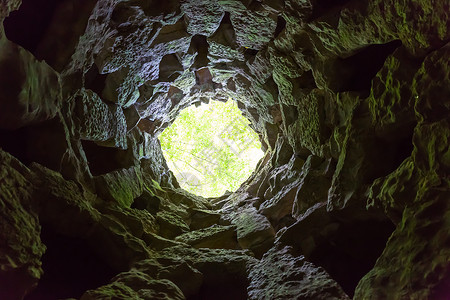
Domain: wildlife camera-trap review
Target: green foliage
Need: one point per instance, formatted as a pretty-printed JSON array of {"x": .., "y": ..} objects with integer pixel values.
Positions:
[{"x": 211, "y": 149}]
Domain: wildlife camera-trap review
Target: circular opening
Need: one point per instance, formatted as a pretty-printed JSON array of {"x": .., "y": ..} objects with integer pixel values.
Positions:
[{"x": 211, "y": 149}]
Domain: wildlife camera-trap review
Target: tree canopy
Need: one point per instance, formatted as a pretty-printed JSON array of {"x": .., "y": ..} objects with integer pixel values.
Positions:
[{"x": 211, "y": 148}]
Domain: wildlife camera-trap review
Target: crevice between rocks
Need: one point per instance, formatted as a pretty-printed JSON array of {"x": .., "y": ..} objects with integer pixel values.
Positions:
[
  {"x": 324, "y": 7},
  {"x": 70, "y": 268},
  {"x": 281, "y": 24}
]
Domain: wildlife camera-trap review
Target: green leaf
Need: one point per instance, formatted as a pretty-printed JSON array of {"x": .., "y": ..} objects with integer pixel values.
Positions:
[{"x": 211, "y": 149}]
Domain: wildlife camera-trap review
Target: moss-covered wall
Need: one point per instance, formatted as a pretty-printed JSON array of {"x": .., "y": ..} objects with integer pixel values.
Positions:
[{"x": 351, "y": 100}]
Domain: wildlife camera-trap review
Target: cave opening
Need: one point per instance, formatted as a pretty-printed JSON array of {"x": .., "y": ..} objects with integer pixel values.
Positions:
[
  {"x": 30, "y": 143},
  {"x": 211, "y": 148},
  {"x": 28, "y": 25}
]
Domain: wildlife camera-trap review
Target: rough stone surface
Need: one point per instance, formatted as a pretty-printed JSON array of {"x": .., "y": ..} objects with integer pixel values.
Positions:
[
  {"x": 20, "y": 247},
  {"x": 121, "y": 186},
  {"x": 136, "y": 285},
  {"x": 216, "y": 237},
  {"x": 350, "y": 99},
  {"x": 99, "y": 121},
  {"x": 314, "y": 185}
]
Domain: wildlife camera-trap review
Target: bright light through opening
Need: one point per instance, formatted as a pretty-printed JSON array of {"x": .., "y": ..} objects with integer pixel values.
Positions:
[{"x": 211, "y": 148}]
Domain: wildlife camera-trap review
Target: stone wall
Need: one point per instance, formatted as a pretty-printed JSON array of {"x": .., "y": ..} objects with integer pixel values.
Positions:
[{"x": 351, "y": 100}]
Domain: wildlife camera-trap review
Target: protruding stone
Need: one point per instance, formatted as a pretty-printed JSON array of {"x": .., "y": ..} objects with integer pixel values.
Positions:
[
  {"x": 214, "y": 237},
  {"x": 98, "y": 121},
  {"x": 402, "y": 268},
  {"x": 137, "y": 285},
  {"x": 202, "y": 17},
  {"x": 254, "y": 230},
  {"x": 314, "y": 185},
  {"x": 187, "y": 278},
  {"x": 32, "y": 91},
  {"x": 21, "y": 247}
]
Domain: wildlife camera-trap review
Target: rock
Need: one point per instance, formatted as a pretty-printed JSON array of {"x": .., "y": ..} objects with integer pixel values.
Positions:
[
  {"x": 121, "y": 186},
  {"x": 171, "y": 225},
  {"x": 313, "y": 187},
  {"x": 147, "y": 201},
  {"x": 281, "y": 275},
  {"x": 315, "y": 217},
  {"x": 34, "y": 91},
  {"x": 195, "y": 203},
  {"x": 349, "y": 174},
  {"x": 137, "y": 222},
  {"x": 68, "y": 23},
  {"x": 215, "y": 237},
  {"x": 394, "y": 191},
  {"x": 225, "y": 272},
  {"x": 283, "y": 184},
  {"x": 71, "y": 211},
  {"x": 415, "y": 260},
  {"x": 203, "y": 218},
  {"x": 429, "y": 34},
  {"x": 98, "y": 121},
  {"x": 157, "y": 242},
  {"x": 309, "y": 120},
  {"x": 431, "y": 150},
  {"x": 253, "y": 29},
  {"x": 21, "y": 247},
  {"x": 115, "y": 245},
  {"x": 280, "y": 205},
  {"x": 195, "y": 12},
  {"x": 335, "y": 241},
  {"x": 7, "y": 6},
  {"x": 391, "y": 95},
  {"x": 132, "y": 117},
  {"x": 254, "y": 230},
  {"x": 136, "y": 285},
  {"x": 187, "y": 278},
  {"x": 118, "y": 88},
  {"x": 62, "y": 204},
  {"x": 350, "y": 100},
  {"x": 432, "y": 97}
]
